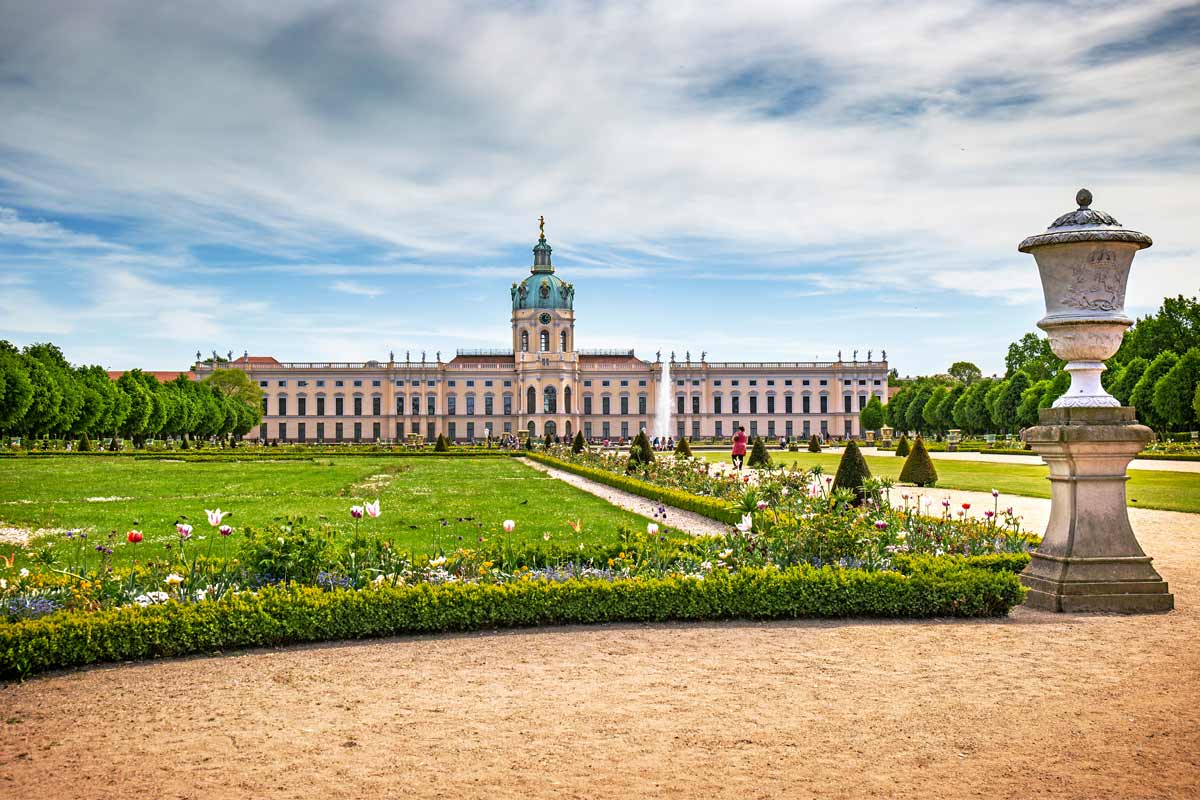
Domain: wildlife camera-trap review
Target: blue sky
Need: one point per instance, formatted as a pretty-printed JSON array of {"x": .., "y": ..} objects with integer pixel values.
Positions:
[{"x": 761, "y": 180}]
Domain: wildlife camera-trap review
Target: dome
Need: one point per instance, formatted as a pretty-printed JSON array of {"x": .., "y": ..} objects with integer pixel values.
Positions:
[{"x": 542, "y": 289}]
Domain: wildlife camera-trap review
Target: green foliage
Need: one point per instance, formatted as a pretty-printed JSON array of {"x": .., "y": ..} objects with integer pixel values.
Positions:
[
  {"x": 964, "y": 372},
  {"x": 932, "y": 411},
  {"x": 1007, "y": 417},
  {"x": 16, "y": 388},
  {"x": 1142, "y": 397},
  {"x": 683, "y": 449},
  {"x": 1125, "y": 380},
  {"x": 442, "y": 445},
  {"x": 895, "y": 412},
  {"x": 871, "y": 417},
  {"x": 288, "y": 552},
  {"x": 1027, "y": 408},
  {"x": 277, "y": 616},
  {"x": 1175, "y": 326},
  {"x": 902, "y": 447},
  {"x": 1174, "y": 392},
  {"x": 85, "y": 444},
  {"x": 915, "y": 415},
  {"x": 578, "y": 445},
  {"x": 1057, "y": 388},
  {"x": 759, "y": 457},
  {"x": 814, "y": 444},
  {"x": 852, "y": 471},
  {"x": 1032, "y": 355},
  {"x": 640, "y": 451},
  {"x": 918, "y": 467}
]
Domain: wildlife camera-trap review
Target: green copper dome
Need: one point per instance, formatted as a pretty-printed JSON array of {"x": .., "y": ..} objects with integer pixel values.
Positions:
[{"x": 542, "y": 289}]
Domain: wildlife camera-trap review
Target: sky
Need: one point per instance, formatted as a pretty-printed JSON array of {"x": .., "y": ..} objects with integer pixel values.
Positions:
[{"x": 759, "y": 181}]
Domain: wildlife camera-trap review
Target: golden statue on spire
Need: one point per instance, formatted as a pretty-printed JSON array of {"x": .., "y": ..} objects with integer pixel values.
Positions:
[{"x": 541, "y": 227}]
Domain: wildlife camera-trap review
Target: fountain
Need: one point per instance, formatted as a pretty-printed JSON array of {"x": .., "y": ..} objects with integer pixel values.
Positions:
[{"x": 662, "y": 403}]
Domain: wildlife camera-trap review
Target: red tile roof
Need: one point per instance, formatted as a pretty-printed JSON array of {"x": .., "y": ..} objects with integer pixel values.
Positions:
[
  {"x": 255, "y": 360},
  {"x": 162, "y": 375}
]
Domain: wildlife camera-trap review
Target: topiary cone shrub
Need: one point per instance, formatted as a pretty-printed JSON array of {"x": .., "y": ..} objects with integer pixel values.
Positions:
[
  {"x": 113, "y": 445},
  {"x": 683, "y": 449},
  {"x": 852, "y": 471},
  {"x": 918, "y": 467},
  {"x": 902, "y": 448},
  {"x": 640, "y": 451},
  {"x": 547, "y": 440},
  {"x": 814, "y": 444},
  {"x": 578, "y": 445},
  {"x": 85, "y": 444},
  {"x": 759, "y": 457},
  {"x": 441, "y": 445}
]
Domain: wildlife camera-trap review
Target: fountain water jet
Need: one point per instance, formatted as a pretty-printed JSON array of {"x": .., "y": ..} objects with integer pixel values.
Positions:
[{"x": 662, "y": 403}]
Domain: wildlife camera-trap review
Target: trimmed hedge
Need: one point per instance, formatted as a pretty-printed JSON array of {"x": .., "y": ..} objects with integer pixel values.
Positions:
[
  {"x": 279, "y": 616},
  {"x": 995, "y": 562},
  {"x": 709, "y": 507}
]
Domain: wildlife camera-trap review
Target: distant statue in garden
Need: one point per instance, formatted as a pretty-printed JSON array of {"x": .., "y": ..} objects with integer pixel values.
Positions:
[
  {"x": 839, "y": 355},
  {"x": 422, "y": 356},
  {"x": 856, "y": 355},
  {"x": 703, "y": 353},
  {"x": 688, "y": 356},
  {"x": 658, "y": 355},
  {"x": 884, "y": 356},
  {"x": 391, "y": 356},
  {"x": 868, "y": 356},
  {"x": 439, "y": 356}
]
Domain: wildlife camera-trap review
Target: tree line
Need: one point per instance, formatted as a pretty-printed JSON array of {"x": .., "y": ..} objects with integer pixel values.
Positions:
[
  {"x": 44, "y": 395},
  {"x": 1156, "y": 370}
]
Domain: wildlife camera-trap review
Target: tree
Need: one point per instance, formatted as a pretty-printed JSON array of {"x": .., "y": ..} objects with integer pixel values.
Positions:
[
  {"x": 683, "y": 449},
  {"x": 16, "y": 389},
  {"x": 1142, "y": 397},
  {"x": 1057, "y": 388},
  {"x": 759, "y": 457},
  {"x": 140, "y": 404},
  {"x": 990, "y": 399},
  {"x": 932, "y": 412},
  {"x": 1175, "y": 326},
  {"x": 1027, "y": 409},
  {"x": 1196, "y": 402},
  {"x": 579, "y": 445},
  {"x": 896, "y": 410},
  {"x": 970, "y": 412},
  {"x": 1032, "y": 355},
  {"x": 918, "y": 467},
  {"x": 871, "y": 417},
  {"x": 915, "y": 415},
  {"x": 852, "y": 471},
  {"x": 42, "y": 414},
  {"x": 236, "y": 385},
  {"x": 946, "y": 409},
  {"x": 814, "y": 444},
  {"x": 63, "y": 374},
  {"x": 443, "y": 446},
  {"x": 640, "y": 451},
  {"x": 1174, "y": 392},
  {"x": 903, "y": 448},
  {"x": 1009, "y": 401},
  {"x": 1127, "y": 378},
  {"x": 965, "y": 372}
]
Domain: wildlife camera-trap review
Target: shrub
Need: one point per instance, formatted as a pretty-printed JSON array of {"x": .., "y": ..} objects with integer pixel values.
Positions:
[
  {"x": 85, "y": 444},
  {"x": 793, "y": 447},
  {"x": 547, "y": 440},
  {"x": 442, "y": 445},
  {"x": 285, "y": 615},
  {"x": 814, "y": 444},
  {"x": 578, "y": 445},
  {"x": 852, "y": 471},
  {"x": 902, "y": 447},
  {"x": 759, "y": 457},
  {"x": 529, "y": 443},
  {"x": 918, "y": 467},
  {"x": 114, "y": 445},
  {"x": 683, "y": 449},
  {"x": 640, "y": 451}
]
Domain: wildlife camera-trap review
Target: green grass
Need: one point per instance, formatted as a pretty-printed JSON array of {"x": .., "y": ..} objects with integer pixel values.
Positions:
[
  {"x": 427, "y": 503},
  {"x": 1172, "y": 491}
]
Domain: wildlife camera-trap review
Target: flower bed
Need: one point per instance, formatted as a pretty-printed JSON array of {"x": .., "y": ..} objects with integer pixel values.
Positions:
[{"x": 286, "y": 615}]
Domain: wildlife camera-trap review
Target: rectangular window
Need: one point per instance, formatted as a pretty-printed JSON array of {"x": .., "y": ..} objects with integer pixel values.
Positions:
[
  {"x": 375, "y": 431},
  {"x": 507, "y": 405},
  {"x": 320, "y": 406},
  {"x": 339, "y": 383},
  {"x": 375, "y": 383},
  {"x": 470, "y": 407},
  {"x": 487, "y": 383},
  {"x": 787, "y": 428},
  {"x": 358, "y": 383},
  {"x": 320, "y": 431},
  {"x": 846, "y": 403},
  {"x": 805, "y": 403},
  {"x": 862, "y": 402},
  {"x": 604, "y": 430},
  {"x": 641, "y": 404},
  {"x": 753, "y": 404},
  {"x": 717, "y": 405},
  {"x": 753, "y": 428},
  {"x": 787, "y": 404},
  {"x": 283, "y": 431},
  {"x": 358, "y": 406},
  {"x": 508, "y": 427},
  {"x": 399, "y": 405},
  {"x": 695, "y": 429},
  {"x": 451, "y": 404},
  {"x": 679, "y": 404},
  {"x": 264, "y": 402},
  {"x": 430, "y": 432},
  {"x": 282, "y": 401},
  {"x": 376, "y": 406},
  {"x": 770, "y": 404},
  {"x": 587, "y": 404},
  {"x": 624, "y": 430},
  {"x": 718, "y": 429},
  {"x": 753, "y": 382},
  {"x": 641, "y": 383},
  {"x": 487, "y": 405},
  {"x": 470, "y": 385},
  {"x": 771, "y": 428},
  {"x": 470, "y": 431},
  {"x": 807, "y": 429},
  {"x": 824, "y": 405},
  {"x": 431, "y": 406},
  {"x": 320, "y": 383},
  {"x": 302, "y": 406},
  {"x": 624, "y": 383},
  {"x": 337, "y": 432},
  {"x": 787, "y": 383},
  {"x": 605, "y": 405},
  {"x": 358, "y": 431},
  {"x": 735, "y": 404},
  {"x": 849, "y": 428},
  {"x": 587, "y": 430},
  {"x": 282, "y": 383},
  {"x": 624, "y": 406},
  {"x": 302, "y": 383},
  {"x": 679, "y": 429},
  {"x": 263, "y": 384},
  {"x": 695, "y": 404},
  {"x": 587, "y": 383}
]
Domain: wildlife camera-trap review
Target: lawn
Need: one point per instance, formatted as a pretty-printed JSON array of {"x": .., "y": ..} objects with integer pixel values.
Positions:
[
  {"x": 427, "y": 502},
  {"x": 1172, "y": 491}
]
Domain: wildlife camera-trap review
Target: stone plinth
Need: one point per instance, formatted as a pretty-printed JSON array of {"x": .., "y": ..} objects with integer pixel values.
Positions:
[{"x": 1089, "y": 559}]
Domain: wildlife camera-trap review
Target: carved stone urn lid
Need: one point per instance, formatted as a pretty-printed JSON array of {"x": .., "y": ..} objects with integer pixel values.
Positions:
[{"x": 1084, "y": 224}]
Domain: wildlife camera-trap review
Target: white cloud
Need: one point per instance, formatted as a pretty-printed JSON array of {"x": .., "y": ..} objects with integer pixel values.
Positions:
[{"x": 358, "y": 289}]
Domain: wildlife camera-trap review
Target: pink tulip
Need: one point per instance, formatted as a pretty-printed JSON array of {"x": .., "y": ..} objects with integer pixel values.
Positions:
[
  {"x": 216, "y": 515},
  {"x": 356, "y": 512},
  {"x": 225, "y": 530},
  {"x": 372, "y": 509},
  {"x": 509, "y": 526},
  {"x": 185, "y": 530}
]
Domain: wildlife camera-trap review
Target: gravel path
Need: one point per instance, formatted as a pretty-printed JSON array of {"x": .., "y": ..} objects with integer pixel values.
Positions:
[{"x": 686, "y": 521}]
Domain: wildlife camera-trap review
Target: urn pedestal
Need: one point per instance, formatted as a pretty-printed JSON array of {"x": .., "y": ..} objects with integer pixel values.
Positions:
[{"x": 1089, "y": 559}]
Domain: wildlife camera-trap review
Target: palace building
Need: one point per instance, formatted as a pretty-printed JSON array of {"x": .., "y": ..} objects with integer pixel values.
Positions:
[{"x": 546, "y": 385}]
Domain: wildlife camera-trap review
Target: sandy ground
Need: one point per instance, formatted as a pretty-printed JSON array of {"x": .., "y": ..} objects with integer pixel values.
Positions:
[{"x": 1036, "y": 705}]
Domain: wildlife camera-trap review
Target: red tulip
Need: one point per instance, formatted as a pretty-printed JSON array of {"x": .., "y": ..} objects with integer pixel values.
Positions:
[
  {"x": 134, "y": 537},
  {"x": 966, "y": 506}
]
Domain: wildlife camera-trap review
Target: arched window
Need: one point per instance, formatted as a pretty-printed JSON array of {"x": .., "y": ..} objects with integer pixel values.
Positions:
[
  {"x": 531, "y": 401},
  {"x": 524, "y": 341},
  {"x": 549, "y": 400},
  {"x": 567, "y": 400},
  {"x": 562, "y": 341},
  {"x": 568, "y": 430},
  {"x": 531, "y": 428},
  {"x": 551, "y": 429},
  {"x": 545, "y": 341}
]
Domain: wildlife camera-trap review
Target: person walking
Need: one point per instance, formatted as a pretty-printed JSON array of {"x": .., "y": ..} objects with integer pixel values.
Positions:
[{"x": 739, "y": 448}]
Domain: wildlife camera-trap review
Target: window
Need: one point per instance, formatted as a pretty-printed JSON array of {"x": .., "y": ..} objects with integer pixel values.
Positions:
[
  {"x": 862, "y": 383},
  {"x": 487, "y": 383},
  {"x": 606, "y": 406},
  {"x": 507, "y": 384},
  {"x": 451, "y": 383},
  {"x": 358, "y": 406},
  {"x": 876, "y": 383},
  {"x": 358, "y": 431},
  {"x": 375, "y": 384},
  {"x": 846, "y": 401},
  {"x": 753, "y": 428},
  {"x": 487, "y": 405},
  {"x": 549, "y": 400},
  {"x": 416, "y": 407},
  {"x": 717, "y": 407},
  {"x": 320, "y": 431},
  {"x": 470, "y": 406},
  {"x": 734, "y": 383},
  {"x": 431, "y": 406},
  {"x": 605, "y": 383},
  {"x": 451, "y": 404},
  {"x": 753, "y": 404},
  {"x": 399, "y": 405},
  {"x": 470, "y": 384},
  {"x": 805, "y": 404},
  {"x": 524, "y": 341},
  {"x": 624, "y": 383},
  {"x": 824, "y": 405},
  {"x": 862, "y": 402},
  {"x": 753, "y": 382},
  {"x": 263, "y": 383},
  {"x": 624, "y": 405},
  {"x": 695, "y": 404},
  {"x": 531, "y": 401},
  {"x": 718, "y": 429},
  {"x": 624, "y": 430},
  {"x": 320, "y": 383},
  {"x": 320, "y": 407},
  {"x": 302, "y": 407},
  {"x": 787, "y": 383},
  {"x": 787, "y": 429},
  {"x": 695, "y": 429},
  {"x": 604, "y": 429},
  {"x": 358, "y": 383},
  {"x": 562, "y": 341},
  {"x": 339, "y": 383},
  {"x": 264, "y": 402},
  {"x": 679, "y": 404},
  {"x": 770, "y": 383},
  {"x": 507, "y": 404},
  {"x": 587, "y": 404},
  {"x": 716, "y": 383},
  {"x": 771, "y": 428},
  {"x": 376, "y": 405},
  {"x": 302, "y": 383},
  {"x": 544, "y": 340},
  {"x": 641, "y": 404},
  {"x": 824, "y": 382},
  {"x": 470, "y": 431},
  {"x": 770, "y": 404},
  {"x": 283, "y": 431},
  {"x": 281, "y": 383},
  {"x": 695, "y": 383},
  {"x": 735, "y": 403},
  {"x": 282, "y": 401},
  {"x": 641, "y": 383},
  {"x": 587, "y": 383},
  {"x": 375, "y": 431},
  {"x": 846, "y": 383},
  {"x": 567, "y": 400}
]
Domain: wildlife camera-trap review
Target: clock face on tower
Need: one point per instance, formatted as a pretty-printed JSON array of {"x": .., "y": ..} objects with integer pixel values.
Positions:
[{"x": 544, "y": 318}]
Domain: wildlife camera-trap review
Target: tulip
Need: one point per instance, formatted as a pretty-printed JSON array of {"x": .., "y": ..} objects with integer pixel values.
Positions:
[
  {"x": 509, "y": 526},
  {"x": 880, "y": 524},
  {"x": 995, "y": 492},
  {"x": 216, "y": 515},
  {"x": 24, "y": 573},
  {"x": 225, "y": 530},
  {"x": 746, "y": 524},
  {"x": 173, "y": 579},
  {"x": 372, "y": 509},
  {"x": 760, "y": 505},
  {"x": 652, "y": 529},
  {"x": 356, "y": 512},
  {"x": 966, "y": 506},
  {"x": 185, "y": 530},
  {"x": 134, "y": 537}
]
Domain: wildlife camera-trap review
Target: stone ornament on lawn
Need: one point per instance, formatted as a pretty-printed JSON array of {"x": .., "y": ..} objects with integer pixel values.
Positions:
[{"x": 1089, "y": 559}]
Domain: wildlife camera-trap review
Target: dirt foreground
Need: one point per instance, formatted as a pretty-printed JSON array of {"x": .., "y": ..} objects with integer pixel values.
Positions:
[{"x": 1037, "y": 705}]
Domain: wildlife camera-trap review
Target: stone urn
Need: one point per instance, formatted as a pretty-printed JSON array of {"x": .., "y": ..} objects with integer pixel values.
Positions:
[
  {"x": 1089, "y": 558},
  {"x": 1083, "y": 259}
]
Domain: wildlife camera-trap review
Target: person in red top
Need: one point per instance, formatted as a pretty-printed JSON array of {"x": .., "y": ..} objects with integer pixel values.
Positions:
[{"x": 739, "y": 448}]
